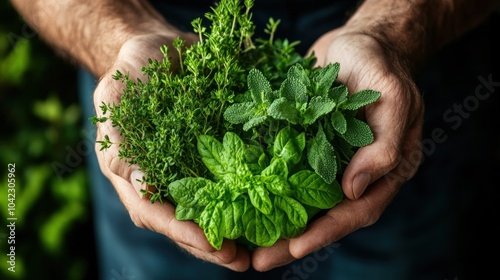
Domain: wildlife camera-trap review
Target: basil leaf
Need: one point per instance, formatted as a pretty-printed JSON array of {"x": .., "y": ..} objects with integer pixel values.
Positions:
[
  {"x": 312, "y": 190},
  {"x": 233, "y": 213},
  {"x": 211, "y": 221},
  {"x": 295, "y": 212},
  {"x": 184, "y": 213},
  {"x": 183, "y": 191},
  {"x": 259, "y": 228},
  {"x": 259, "y": 196}
]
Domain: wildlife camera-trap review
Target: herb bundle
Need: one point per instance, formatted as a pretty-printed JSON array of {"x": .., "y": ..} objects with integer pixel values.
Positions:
[{"x": 248, "y": 139}]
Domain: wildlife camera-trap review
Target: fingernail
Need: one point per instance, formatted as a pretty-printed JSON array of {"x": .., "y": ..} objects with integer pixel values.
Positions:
[{"x": 360, "y": 183}]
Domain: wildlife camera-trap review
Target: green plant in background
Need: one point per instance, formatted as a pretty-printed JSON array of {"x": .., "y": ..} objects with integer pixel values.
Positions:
[{"x": 38, "y": 126}]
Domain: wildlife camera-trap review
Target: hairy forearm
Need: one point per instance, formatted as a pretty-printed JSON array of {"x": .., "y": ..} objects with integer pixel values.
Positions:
[
  {"x": 91, "y": 32},
  {"x": 417, "y": 29}
]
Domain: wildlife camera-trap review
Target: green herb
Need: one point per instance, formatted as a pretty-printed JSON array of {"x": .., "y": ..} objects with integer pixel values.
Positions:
[{"x": 287, "y": 130}]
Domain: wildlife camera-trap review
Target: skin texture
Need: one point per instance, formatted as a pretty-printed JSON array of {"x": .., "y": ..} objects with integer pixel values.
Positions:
[{"x": 381, "y": 47}]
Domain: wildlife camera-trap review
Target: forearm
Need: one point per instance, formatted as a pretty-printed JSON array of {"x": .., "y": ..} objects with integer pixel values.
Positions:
[
  {"x": 418, "y": 29},
  {"x": 91, "y": 32}
]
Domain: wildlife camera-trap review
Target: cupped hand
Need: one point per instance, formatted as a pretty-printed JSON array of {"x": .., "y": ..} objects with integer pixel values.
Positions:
[
  {"x": 377, "y": 171},
  {"x": 158, "y": 217}
]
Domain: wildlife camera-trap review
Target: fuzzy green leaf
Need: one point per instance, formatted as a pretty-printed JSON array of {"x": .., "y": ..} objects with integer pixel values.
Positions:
[
  {"x": 259, "y": 86},
  {"x": 253, "y": 122},
  {"x": 317, "y": 107},
  {"x": 360, "y": 99},
  {"x": 358, "y": 132},
  {"x": 298, "y": 73},
  {"x": 325, "y": 77},
  {"x": 294, "y": 91},
  {"x": 239, "y": 112},
  {"x": 282, "y": 109},
  {"x": 338, "y": 122},
  {"x": 338, "y": 94},
  {"x": 321, "y": 156}
]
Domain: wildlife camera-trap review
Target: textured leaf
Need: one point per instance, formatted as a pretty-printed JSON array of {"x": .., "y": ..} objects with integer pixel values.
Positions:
[
  {"x": 338, "y": 93},
  {"x": 325, "y": 78},
  {"x": 233, "y": 213},
  {"x": 211, "y": 152},
  {"x": 277, "y": 167},
  {"x": 239, "y": 112},
  {"x": 253, "y": 122},
  {"x": 338, "y": 122},
  {"x": 321, "y": 156},
  {"x": 360, "y": 99},
  {"x": 183, "y": 191},
  {"x": 317, "y": 107},
  {"x": 259, "y": 196},
  {"x": 298, "y": 73},
  {"x": 260, "y": 229},
  {"x": 278, "y": 185},
  {"x": 258, "y": 85},
  {"x": 358, "y": 133},
  {"x": 295, "y": 212},
  {"x": 184, "y": 214},
  {"x": 282, "y": 109},
  {"x": 312, "y": 190},
  {"x": 211, "y": 221},
  {"x": 295, "y": 91}
]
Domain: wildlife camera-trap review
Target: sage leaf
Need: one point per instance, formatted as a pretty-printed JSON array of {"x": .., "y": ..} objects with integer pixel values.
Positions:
[
  {"x": 322, "y": 158},
  {"x": 358, "y": 133}
]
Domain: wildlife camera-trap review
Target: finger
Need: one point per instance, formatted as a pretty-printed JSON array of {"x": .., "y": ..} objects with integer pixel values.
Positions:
[
  {"x": 344, "y": 218},
  {"x": 143, "y": 190},
  {"x": 267, "y": 258},
  {"x": 240, "y": 262},
  {"x": 390, "y": 119}
]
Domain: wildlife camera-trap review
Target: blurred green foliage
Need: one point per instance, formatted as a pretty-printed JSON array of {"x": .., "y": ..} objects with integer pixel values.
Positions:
[{"x": 41, "y": 123}]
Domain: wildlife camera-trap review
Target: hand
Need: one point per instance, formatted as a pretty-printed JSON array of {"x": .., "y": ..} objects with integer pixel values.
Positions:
[
  {"x": 157, "y": 217},
  {"x": 377, "y": 171}
]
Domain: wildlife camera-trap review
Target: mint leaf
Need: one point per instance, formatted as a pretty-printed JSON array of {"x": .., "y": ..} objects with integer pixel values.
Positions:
[
  {"x": 297, "y": 72},
  {"x": 338, "y": 94}
]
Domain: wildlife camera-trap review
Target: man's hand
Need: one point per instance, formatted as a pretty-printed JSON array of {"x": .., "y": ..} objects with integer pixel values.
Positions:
[
  {"x": 157, "y": 217},
  {"x": 377, "y": 171}
]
